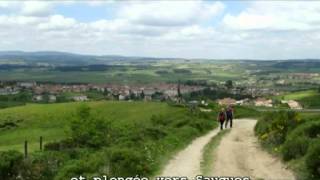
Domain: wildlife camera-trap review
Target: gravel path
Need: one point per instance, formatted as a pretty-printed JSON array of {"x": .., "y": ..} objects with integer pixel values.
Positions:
[
  {"x": 187, "y": 162},
  {"x": 239, "y": 154}
]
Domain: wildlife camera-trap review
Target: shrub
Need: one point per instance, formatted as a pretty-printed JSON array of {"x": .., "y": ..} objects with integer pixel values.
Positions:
[
  {"x": 43, "y": 165},
  {"x": 160, "y": 120},
  {"x": 155, "y": 133},
  {"x": 61, "y": 145},
  {"x": 274, "y": 127},
  {"x": 313, "y": 160},
  {"x": 10, "y": 162},
  {"x": 89, "y": 130},
  {"x": 295, "y": 147},
  {"x": 87, "y": 164},
  {"x": 128, "y": 162},
  {"x": 297, "y": 142}
]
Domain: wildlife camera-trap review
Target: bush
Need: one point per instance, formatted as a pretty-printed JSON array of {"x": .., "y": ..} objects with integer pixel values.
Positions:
[
  {"x": 87, "y": 164},
  {"x": 297, "y": 142},
  {"x": 295, "y": 147},
  {"x": 128, "y": 162},
  {"x": 61, "y": 145},
  {"x": 89, "y": 130},
  {"x": 10, "y": 162},
  {"x": 313, "y": 160},
  {"x": 273, "y": 128},
  {"x": 43, "y": 165}
]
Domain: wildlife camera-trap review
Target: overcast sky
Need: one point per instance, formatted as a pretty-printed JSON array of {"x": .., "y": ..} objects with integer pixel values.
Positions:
[{"x": 188, "y": 29}]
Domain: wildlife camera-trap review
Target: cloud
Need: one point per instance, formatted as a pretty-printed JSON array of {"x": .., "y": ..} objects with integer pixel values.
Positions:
[
  {"x": 169, "y": 13},
  {"x": 191, "y": 29},
  {"x": 276, "y": 16},
  {"x": 36, "y": 8},
  {"x": 57, "y": 22}
]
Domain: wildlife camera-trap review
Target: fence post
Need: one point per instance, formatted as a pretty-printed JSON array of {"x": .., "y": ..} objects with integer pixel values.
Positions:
[
  {"x": 25, "y": 149},
  {"x": 41, "y": 144}
]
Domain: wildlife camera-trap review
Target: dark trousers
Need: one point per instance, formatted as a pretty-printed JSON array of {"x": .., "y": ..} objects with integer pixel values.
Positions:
[
  {"x": 229, "y": 119},
  {"x": 221, "y": 125}
]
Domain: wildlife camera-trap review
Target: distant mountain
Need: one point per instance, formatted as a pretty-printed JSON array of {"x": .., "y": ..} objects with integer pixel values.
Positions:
[
  {"x": 50, "y": 57},
  {"x": 298, "y": 64},
  {"x": 65, "y": 58}
]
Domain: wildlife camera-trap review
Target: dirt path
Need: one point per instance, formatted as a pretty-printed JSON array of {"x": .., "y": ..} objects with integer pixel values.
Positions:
[
  {"x": 187, "y": 162},
  {"x": 239, "y": 154}
]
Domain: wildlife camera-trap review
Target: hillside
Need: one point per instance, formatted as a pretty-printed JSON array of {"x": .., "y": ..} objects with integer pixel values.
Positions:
[
  {"x": 308, "y": 99},
  {"x": 128, "y": 137},
  {"x": 50, "y": 121}
]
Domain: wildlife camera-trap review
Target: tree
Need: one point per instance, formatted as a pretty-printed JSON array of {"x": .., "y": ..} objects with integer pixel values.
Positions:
[
  {"x": 89, "y": 130},
  {"x": 229, "y": 84},
  {"x": 179, "y": 90},
  {"x": 142, "y": 95},
  {"x": 10, "y": 162}
]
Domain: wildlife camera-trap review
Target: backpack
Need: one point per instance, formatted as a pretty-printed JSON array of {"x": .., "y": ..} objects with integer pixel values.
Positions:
[
  {"x": 229, "y": 112},
  {"x": 221, "y": 116}
]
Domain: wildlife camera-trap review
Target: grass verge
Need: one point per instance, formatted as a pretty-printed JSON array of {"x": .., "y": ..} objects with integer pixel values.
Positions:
[{"x": 207, "y": 156}]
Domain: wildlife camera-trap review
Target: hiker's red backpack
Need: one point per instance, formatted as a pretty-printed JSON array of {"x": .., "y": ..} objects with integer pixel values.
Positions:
[{"x": 222, "y": 116}]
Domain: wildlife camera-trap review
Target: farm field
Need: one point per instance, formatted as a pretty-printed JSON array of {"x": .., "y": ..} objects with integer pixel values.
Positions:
[
  {"x": 99, "y": 134},
  {"x": 130, "y": 74},
  {"x": 51, "y": 121},
  {"x": 309, "y": 98}
]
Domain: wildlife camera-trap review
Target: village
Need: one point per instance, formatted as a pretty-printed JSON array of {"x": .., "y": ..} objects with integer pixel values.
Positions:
[
  {"x": 112, "y": 91},
  {"x": 50, "y": 93}
]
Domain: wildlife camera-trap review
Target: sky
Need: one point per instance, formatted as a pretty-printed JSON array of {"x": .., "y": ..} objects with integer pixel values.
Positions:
[{"x": 184, "y": 29}]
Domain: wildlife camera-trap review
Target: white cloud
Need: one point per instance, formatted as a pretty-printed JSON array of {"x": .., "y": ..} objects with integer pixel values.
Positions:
[
  {"x": 9, "y": 20},
  {"x": 57, "y": 22},
  {"x": 169, "y": 29},
  {"x": 276, "y": 16},
  {"x": 99, "y": 2},
  {"x": 169, "y": 13},
  {"x": 36, "y": 8}
]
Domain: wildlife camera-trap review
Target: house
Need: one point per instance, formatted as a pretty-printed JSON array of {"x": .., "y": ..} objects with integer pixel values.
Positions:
[
  {"x": 121, "y": 97},
  {"x": 80, "y": 98},
  {"x": 8, "y": 90},
  {"x": 27, "y": 84},
  {"x": 52, "y": 98},
  {"x": 37, "y": 98},
  {"x": 263, "y": 102},
  {"x": 294, "y": 104},
  {"x": 171, "y": 92},
  {"x": 242, "y": 101},
  {"x": 227, "y": 102},
  {"x": 147, "y": 98},
  {"x": 204, "y": 103}
]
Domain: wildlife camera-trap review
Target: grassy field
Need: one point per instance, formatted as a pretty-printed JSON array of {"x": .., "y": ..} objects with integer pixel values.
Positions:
[
  {"x": 128, "y": 137},
  {"x": 50, "y": 121},
  {"x": 309, "y": 99},
  {"x": 131, "y": 74}
]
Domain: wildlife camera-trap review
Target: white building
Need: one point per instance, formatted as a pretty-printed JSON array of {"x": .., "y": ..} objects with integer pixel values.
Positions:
[
  {"x": 52, "y": 98},
  {"x": 80, "y": 98}
]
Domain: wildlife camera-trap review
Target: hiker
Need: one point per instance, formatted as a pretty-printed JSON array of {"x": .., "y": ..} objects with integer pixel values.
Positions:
[
  {"x": 229, "y": 114},
  {"x": 221, "y": 118}
]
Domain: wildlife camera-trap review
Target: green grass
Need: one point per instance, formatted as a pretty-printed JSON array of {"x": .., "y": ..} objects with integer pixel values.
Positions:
[
  {"x": 308, "y": 99},
  {"x": 208, "y": 152},
  {"x": 246, "y": 112},
  {"x": 298, "y": 95},
  {"x": 131, "y": 74},
  {"x": 51, "y": 121},
  {"x": 141, "y": 139}
]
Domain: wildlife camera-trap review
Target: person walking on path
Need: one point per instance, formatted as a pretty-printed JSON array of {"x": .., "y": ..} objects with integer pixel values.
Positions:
[
  {"x": 221, "y": 118},
  {"x": 229, "y": 114}
]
